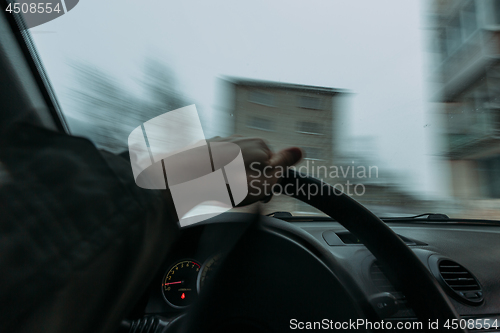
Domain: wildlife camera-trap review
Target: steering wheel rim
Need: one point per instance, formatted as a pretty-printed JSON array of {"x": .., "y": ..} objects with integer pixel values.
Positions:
[{"x": 399, "y": 260}]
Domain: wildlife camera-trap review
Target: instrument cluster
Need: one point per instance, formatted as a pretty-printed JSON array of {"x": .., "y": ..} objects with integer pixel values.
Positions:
[{"x": 184, "y": 279}]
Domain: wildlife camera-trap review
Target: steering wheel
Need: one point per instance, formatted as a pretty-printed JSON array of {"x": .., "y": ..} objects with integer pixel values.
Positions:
[{"x": 278, "y": 275}]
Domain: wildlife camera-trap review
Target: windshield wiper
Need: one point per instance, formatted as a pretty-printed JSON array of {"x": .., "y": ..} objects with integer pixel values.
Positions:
[
  {"x": 430, "y": 217},
  {"x": 440, "y": 218}
]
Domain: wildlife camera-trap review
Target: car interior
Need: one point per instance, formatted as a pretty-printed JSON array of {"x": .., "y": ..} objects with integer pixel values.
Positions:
[{"x": 260, "y": 271}]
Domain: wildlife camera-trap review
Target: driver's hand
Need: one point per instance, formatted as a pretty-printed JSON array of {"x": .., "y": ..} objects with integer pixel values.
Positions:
[{"x": 263, "y": 167}]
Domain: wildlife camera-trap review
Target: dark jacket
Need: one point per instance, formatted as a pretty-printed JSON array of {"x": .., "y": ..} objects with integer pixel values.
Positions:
[{"x": 79, "y": 240}]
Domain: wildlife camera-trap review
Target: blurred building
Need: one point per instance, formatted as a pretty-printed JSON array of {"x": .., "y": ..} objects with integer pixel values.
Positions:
[
  {"x": 314, "y": 119},
  {"x": 467, "y": 71},
  {"x": 287, "y": 115}
]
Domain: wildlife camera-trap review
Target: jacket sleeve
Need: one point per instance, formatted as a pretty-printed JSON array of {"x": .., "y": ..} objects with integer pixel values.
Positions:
[{"x": 80, "y": 241}]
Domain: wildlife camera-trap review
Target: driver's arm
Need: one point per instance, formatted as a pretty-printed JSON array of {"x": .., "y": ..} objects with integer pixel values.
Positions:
[{"x": 80, "y": 241}]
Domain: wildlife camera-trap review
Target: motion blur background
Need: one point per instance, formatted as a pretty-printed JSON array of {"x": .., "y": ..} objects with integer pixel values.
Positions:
[{"x": 406, "y": 89}]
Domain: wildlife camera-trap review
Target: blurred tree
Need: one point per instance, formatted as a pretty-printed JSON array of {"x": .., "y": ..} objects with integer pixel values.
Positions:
[
  {"x": 110, "y": 112},
  {"x": 161, "y": 84}
]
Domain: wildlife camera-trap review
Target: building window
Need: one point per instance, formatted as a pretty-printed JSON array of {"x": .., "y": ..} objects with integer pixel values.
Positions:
[
  {"x": 309, "y": 127},
  {"x": 491, "y": 169},
  {"x": 469, "y": 19},
  {"x": 261, "y": 123},
  {"x": 261, "y": 97},
  {"x": 496, "y": 11},
  {"x": 313, "y": 153},
  {"x": 454, "y": 35},
  {"x": 442, "y": 47},
  {"x": 307, "y": 102}
]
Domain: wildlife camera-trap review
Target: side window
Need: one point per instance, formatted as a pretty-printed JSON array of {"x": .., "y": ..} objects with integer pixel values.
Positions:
[
  {"x": 261, "y": 123},
  {"x": 307, "y": 102},
  {"x": 261, "y": 97},
  {"x": 309, "y": 127}
]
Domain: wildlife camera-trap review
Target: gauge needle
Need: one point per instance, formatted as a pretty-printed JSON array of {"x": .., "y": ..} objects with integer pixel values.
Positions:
[{"x": 173, "y": 282}]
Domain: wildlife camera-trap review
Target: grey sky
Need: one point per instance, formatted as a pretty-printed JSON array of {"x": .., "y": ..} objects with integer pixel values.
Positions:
[{"x": 373, "y": 48}]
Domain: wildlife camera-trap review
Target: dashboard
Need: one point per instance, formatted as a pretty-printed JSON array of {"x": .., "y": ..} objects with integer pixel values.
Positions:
[{"x": 464, "y": 258}]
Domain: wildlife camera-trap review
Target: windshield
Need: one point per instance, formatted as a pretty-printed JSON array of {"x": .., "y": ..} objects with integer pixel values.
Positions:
[{"x": 392, "y": 102}]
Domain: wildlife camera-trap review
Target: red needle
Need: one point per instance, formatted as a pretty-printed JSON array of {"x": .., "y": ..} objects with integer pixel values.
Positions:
[{"x": 173, "y": 283}]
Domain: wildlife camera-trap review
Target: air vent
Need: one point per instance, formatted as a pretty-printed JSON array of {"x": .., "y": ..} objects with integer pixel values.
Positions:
[{"x": 462, "y": 284}]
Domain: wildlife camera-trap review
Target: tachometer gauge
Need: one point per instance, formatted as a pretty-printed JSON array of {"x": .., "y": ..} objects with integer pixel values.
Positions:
[
  {"x": 207, "y": 269},
  {"x": 179, "y": 284}
]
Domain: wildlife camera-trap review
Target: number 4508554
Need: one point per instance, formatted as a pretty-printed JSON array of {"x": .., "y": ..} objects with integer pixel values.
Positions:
[
  {"x": 33, "y": 8},
  {"x": 478, "y": 324}
]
